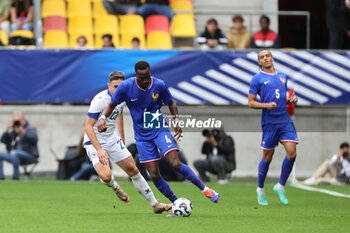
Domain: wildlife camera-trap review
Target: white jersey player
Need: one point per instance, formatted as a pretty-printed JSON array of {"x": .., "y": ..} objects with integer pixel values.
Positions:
[{"x": 109, "y": 146}]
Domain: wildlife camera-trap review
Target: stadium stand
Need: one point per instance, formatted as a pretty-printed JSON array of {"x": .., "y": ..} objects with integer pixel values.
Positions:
[
  {"x": 181, "y": 5},
  {"x": 157, "y": 23},
  {"x": 131, "y": 24},
  {"x": 79, "y": 8},
  {"x": 73, "y": 36},
  {"x": 127, "y": 38},
  {"x": 56, "y": 39},
  {"x": 159, "y": 40},
  {"x": 98, "y": 9},
  {"x": 4, "y": 38},
  {"x": 183, "y": 25},
  {"x": 53, "y": 7},
  {"x": 54, "y": 23},
  {"x": 22, "y": 33}
]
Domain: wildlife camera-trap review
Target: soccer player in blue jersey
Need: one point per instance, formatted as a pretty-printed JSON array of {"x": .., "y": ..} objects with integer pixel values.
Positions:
[
  {"x": 276, "y": 124},
  {"x": 145, "y": 94}
]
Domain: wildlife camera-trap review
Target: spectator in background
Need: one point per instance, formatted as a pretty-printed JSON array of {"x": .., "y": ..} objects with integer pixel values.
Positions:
[
  {"x": 22, "y": 12},
  {"x": 121, "y": 7},
  {"x": 338, "y": 168},
  {"x": 81, "y": 42},
  {"x": 107, "y": 41},
  {"x": 135, "y": 43},
  {"x": 5, "y": 6},
  {"x": 220, "y": 151},
  {"x": 21, "y": 141},
  {"x": 212, "y": 37},
  {"x": 265, "y": 38},
  {"x": 86, "y": 170},
  {"x": 238, "y": 36},
  {"x": 155, "y": 7},
  {"x": 338, "y": 23}
]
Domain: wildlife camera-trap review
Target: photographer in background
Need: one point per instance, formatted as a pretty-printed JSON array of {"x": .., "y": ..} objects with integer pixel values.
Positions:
[
  {"x": 220, "y": 151},
  {"x": 21, "y": 141},
  {"x": 338, "y": 168}
]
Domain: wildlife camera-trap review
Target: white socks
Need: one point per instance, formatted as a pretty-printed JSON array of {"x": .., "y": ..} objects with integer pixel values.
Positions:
[
  {"x": 112, "y": 183},
  {"x": 143, "y": 188},
  {"x": 280, "y": 187},
  {"x": 260, "y": 190}
]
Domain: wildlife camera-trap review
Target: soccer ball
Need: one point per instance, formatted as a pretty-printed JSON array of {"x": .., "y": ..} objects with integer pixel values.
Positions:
[{"x": 182, "y": 207}]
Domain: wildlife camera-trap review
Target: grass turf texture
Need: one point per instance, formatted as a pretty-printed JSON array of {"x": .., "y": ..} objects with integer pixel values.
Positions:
[{"x": 53, "y": 206}]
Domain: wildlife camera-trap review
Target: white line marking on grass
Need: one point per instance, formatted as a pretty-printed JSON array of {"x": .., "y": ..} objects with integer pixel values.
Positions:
[{"x": 326, "y": 191}]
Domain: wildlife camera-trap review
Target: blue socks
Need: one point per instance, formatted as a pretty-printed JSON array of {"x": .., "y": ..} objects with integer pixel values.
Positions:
[
  {"x": 187, "y": 172},
  {"x": 164, "y": 188},
  {"x": 263, "y": 169},
  {"x": 287, "y": 167}
]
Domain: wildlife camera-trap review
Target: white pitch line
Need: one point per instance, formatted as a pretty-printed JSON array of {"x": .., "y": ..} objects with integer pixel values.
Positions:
[{"x": 329, "y": 192}]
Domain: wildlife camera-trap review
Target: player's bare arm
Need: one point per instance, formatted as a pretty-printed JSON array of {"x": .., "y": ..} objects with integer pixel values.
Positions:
[
  {"x": 175, "y": 113},
  {"x": 252, "y": 103},
  {"x": 89, "y": 130},
  {"x": 101, "y": 123},
  {"x": 120, "y": 126}
]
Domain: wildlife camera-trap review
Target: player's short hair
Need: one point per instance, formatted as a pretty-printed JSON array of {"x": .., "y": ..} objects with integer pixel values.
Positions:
[
  {"x": 141, "y": 65},
  {"x": 265, "y": 17},
  {"x": 116, "y": 75},
  {"x": 344, "y": 145},
  {"x": 237, "y": 18}
]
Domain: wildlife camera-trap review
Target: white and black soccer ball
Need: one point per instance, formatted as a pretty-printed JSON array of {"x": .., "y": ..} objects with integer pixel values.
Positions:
[{"x": 182, "y": 207}]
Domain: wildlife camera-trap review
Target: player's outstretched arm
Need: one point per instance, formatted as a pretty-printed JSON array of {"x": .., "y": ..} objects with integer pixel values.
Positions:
[
  {"x": 89, "y": 130},
  {"x": 175, "y": 113},
  {"x": 101, "y": 123},
  {"x": 252, "y": 103}
]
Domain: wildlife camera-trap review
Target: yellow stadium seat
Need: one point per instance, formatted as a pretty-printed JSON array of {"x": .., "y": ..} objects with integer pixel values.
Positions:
[
  {"x": 56, "y": 39},
  {"x": 181, "y": 5},
  {"x": 79, "y": 8},
  {"x": 23, "y": 33},
  {"x": 99, "y": 41},
  {"x": 106, "y": 24},
  {"x": 53, "y": 8},
  {"x": 99, "y": 9},
  {"x": 73, "y": 37},
  {"x": 159, "y": 40},
  {"x": 133, "y": 24},
  {"x": 127, "y": 38},
  {"x": 80, "y": 24},
  {"x": 4, "y": 38},
  {"x": 183, "y": 26}
]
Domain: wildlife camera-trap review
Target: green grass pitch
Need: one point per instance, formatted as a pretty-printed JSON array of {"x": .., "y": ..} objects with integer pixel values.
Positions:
[{"x": 52, "y": 206}]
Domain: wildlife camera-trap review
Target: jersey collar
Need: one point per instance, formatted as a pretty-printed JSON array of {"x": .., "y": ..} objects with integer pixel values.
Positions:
[
  {"x": 269, "y": 73},
  {"x": 109, "y": 93},
  {"x": 148, "y": 86}
]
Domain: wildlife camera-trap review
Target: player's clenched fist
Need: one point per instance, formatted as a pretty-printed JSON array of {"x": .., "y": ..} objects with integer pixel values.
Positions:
[
  {"x": 101, "y": 125},
  {"x": 271, "y": 106}
]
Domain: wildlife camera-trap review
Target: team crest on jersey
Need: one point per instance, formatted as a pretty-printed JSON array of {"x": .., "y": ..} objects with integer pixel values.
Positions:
[
  {"x": 283, "y": 80},
  {"x": 155, "y": 96}
]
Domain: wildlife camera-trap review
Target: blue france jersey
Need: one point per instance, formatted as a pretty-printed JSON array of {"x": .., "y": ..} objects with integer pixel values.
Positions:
[
  {"x": 271, "y": 88},
  {"x": 140, "y": 101}
]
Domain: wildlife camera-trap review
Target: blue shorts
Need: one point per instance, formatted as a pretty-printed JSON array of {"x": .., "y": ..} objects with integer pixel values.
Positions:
[
  {"x": 148, "y": 149},
  {"x": 274, "y": 133}
]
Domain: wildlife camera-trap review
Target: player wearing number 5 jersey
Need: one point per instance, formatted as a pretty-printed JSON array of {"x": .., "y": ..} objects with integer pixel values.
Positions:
[
  {"x": 102, "y": 147},
  {"x": 276, "y": 124},
  {"x": 144, "y": 96}
]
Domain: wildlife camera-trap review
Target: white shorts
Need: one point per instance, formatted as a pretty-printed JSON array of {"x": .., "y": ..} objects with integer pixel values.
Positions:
[{"x": 116, "y": 152}]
